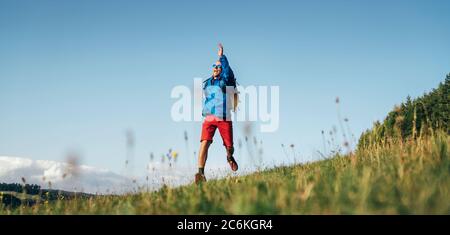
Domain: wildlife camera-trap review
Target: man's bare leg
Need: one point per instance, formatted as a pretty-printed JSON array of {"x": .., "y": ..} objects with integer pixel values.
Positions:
[
  {"x": 202, "y": 156},
  {"x": 230, "y": 151},
  {"x": 230, "y": 158},
  {"x": 203, "y": 153}
]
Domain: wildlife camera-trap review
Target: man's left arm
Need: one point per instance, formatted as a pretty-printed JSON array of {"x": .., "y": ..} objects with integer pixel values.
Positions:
[{"x": 227, "y": 72}]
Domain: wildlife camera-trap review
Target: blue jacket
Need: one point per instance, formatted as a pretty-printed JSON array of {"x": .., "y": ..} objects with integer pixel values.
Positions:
[{"x": 215, "y": 92}]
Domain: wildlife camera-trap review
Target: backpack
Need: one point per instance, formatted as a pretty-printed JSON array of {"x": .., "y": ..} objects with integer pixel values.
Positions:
[
  {"x": 235, "y": 97},
  {"x": 235, "y": 103}
]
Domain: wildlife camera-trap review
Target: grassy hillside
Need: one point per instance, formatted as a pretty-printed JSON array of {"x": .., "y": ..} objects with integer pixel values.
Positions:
[
  {"x": 401, "y": 166},
  {"x": 410, "y": 177}
]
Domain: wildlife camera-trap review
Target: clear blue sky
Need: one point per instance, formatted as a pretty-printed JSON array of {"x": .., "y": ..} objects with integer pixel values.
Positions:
[{"x": 74, "y": 75}]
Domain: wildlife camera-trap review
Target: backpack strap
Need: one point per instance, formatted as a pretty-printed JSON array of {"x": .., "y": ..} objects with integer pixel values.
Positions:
[{"x": 205, "y": 83}]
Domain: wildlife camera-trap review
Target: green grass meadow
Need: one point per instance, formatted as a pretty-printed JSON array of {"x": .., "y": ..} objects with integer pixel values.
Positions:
[
  {"x": 400, "y": 166},
  {"x": 394, "y": 177}
]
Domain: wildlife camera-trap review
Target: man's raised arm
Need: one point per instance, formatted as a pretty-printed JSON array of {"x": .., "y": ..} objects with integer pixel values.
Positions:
[{"x": 227, "y": 73}]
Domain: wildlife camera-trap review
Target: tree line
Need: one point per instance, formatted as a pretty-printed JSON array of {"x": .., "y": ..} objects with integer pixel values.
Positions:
[
  {"x": 413, "y": 118},
  {"x": 32, "y": 189}
]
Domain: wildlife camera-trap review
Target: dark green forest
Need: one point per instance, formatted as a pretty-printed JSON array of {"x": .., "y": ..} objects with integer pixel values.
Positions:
[
  {"x": 32, "y": 189},
  {"x": 15, "y": 194},
  {"x": 413, "y": 118}
]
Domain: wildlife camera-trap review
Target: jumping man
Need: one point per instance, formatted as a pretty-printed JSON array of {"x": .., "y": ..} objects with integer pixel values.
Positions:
[{"x": 216, "y": 113}]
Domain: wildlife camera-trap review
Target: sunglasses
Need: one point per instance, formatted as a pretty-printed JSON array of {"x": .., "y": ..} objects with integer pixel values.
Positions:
[{"x": 217, "y": 66}]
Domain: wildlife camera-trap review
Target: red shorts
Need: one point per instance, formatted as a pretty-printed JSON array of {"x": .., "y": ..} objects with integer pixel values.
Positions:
[{"x": 211, "y": 123}]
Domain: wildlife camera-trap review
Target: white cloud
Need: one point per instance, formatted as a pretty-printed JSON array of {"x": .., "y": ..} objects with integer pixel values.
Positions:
[{"x": 89, "y": 179}]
